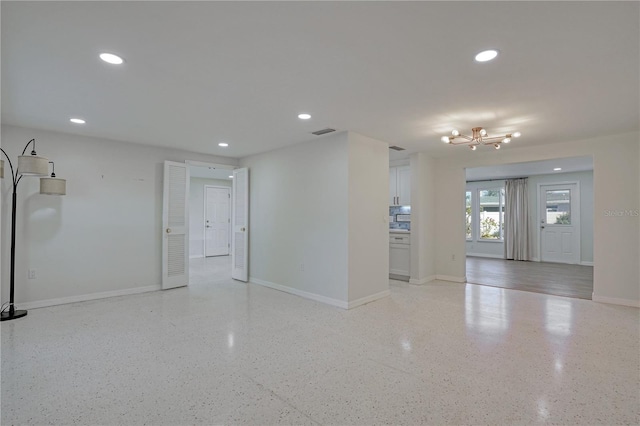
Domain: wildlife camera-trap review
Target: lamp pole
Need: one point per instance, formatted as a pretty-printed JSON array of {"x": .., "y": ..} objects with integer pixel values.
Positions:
[{"x": 12, "y": 313}]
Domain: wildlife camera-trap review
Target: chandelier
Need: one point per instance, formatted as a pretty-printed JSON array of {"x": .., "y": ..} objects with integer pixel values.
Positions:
[{"x": 479, "y": 137}]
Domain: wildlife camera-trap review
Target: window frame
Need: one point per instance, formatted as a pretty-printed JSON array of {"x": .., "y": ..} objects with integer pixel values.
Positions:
[{"x": 475, "y": 188}]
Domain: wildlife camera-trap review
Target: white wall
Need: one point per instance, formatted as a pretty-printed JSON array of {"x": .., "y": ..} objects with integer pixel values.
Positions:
[
  {"x": 423, "y": 220},
  {"x": 196, "y": 212},
  {"x": 616, "y": 178},
  {"x": 298, "y": 217},
  {"x": 305, "y": 235},
  {"x": 368, "y": 217},
  {"x": 105, "y": 234}
]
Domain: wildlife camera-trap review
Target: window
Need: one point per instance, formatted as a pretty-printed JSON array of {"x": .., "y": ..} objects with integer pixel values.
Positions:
[
  {"x": 491, "y": 213},
  {"x": 484, "y": 213},
  {"x": 468, "y": 215}
]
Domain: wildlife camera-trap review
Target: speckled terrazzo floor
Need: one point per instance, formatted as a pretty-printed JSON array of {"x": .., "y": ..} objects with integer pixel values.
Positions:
[{"x": 223, "y": 352}]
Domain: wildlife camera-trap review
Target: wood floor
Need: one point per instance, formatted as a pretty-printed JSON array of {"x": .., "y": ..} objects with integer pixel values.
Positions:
[{"x": 538, "y": 277}]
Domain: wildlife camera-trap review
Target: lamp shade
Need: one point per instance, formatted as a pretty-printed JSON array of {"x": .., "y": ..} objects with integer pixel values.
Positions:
[
  {"x": 53, "y": 186},
  {"x": 32, "y": 165}
]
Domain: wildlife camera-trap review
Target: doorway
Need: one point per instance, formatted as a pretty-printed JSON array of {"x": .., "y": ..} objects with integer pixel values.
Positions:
[
  {"x": 217, "y": 220},
  {"x": 559, "y": 219},
  {"x": 209, "y": 222},
  {"x": 559, "y": 202}
]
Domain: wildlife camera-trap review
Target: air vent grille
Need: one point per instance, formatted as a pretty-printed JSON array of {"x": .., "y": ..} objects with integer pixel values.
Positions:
[
  {"x": 323, "y": 131},
  {"x": 396, "y": 148}
]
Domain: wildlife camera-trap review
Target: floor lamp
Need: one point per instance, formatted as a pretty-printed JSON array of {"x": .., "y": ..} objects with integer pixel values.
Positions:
[{"x": 28, "y": 165}]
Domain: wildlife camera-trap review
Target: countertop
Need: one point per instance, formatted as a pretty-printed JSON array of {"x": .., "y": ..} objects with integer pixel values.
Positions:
[{"x": 399, "y": 231}]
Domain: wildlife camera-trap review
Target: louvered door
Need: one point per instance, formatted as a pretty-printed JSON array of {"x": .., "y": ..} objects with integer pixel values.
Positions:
[
  {"x": 240, "y": 225},
  {"x": 175, "y": 225}
]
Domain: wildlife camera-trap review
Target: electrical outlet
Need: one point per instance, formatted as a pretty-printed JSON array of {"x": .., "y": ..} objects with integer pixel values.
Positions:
[{"x": 31, "y": 274}]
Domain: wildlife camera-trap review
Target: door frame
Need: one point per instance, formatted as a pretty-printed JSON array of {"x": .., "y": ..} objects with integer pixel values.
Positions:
[
  {"x": 577, "y": 222},
  {"x": 204, "y": 215}
]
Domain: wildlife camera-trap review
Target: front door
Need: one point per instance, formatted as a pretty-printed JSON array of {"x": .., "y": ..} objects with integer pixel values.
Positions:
[
  {"x": 216, "y": 221},
  {"x": 559, "y": 223}
]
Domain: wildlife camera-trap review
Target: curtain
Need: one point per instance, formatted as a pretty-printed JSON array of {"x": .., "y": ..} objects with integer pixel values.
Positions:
[{"x": 517, "y": 233}]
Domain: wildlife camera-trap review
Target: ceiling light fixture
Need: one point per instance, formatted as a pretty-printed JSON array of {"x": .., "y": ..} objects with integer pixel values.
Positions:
[
  {"x": 557, "y": 169},
  {"x": 486, "y": 55},
  {"x": 112, "y": 59},
  {"x": 231, "y": 177},
  {"x": 480, "y": 137},
  {"x": 304, "y": 116},
  {"x": 223, "y": 144},
  {"x": 77, "y": 120}
]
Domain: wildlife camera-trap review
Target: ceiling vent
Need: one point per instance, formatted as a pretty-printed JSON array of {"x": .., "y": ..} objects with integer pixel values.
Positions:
[
  {"x": 396, "y": 148},
  {"x": 323, "y": 131}
]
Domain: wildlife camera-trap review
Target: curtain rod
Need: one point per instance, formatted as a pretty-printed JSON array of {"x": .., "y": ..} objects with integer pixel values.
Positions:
[{"x": 491, "y": 180}]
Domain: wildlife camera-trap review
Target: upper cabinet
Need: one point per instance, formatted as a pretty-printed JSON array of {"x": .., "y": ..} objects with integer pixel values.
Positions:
[{"x": 399, "y": 186}]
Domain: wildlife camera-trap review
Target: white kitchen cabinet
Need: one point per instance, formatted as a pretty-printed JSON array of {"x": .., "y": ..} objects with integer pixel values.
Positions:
[
  {"x": 399, "y": 254},
  {"x": 399, "y": 186}
]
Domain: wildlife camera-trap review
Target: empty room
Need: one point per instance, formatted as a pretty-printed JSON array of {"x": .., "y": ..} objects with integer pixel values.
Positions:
[{"x": 341, "y": 213}]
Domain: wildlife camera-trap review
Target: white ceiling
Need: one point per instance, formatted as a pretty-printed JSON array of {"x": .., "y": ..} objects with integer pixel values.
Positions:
[
  {"x": 531, "y": 168},
  {"x": 197, "y": 73}
]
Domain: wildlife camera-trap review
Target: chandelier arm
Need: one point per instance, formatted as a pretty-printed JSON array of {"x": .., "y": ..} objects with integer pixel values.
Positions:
[
  {"x": 462, "y": 142},
  {"x": 469, "y": 138}
]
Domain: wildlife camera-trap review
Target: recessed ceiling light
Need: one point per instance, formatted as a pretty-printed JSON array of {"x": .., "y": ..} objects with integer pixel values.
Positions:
[
  {"x": 486, "y": 55},
  {"x": 304, "y": 116},
  {"x": 231, "y": 177},
  {"x": 110, "y": 58},
  {"x": 77, "y": 120},
  {"x": 223, "y": 144},
  {"x": 557, "y": 169}
]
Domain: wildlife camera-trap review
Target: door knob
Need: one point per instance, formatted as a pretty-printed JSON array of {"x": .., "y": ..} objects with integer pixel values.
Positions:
[
  {"x": 208, "y": 226},
  {"x": 242, "y": 229},
  {"x": 542, "y": 227},
  {"x": 168, "y": 230}
]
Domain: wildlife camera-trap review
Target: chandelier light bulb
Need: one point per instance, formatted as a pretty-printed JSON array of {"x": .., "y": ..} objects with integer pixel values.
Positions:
[
  {"x": 497, "y": 145},
  {"x": 506, "y": 140},
  {"x": 454, "y": 132},
  {"x": 483, "y": 132},
  {"x": 517, "y": 134},
  {"x": 445, "y": 139},
  {"x": 473, "y": 147}
]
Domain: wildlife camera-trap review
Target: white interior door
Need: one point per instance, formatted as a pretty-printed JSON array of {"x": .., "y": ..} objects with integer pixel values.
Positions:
[
  {"x": 559, "y": 223},
  {"x": 216, "y": 220},
  {"x": 240, "y": 225},
  {"x": 175, "y": 225}
]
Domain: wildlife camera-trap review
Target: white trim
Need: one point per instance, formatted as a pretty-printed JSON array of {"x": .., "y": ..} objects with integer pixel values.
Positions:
[
  {"x": 368, "y": 299},
  {"x": 616, "y": 301},
  {"x": 451, "y": 278},
  {"x": 577, "y": 224},
  {"x": 493, "y": 256},
  {"x": 214, "y": 165},
  {"x": 422, "y": 280},
  {"x": 585, "y": 263},
  {"x": 318, "y": 298},
  {"x": 401, "y": 272},
  {"x": 86, "y": 297},
  {"x": 195, "y": 256},
  {"x": 535, "y": 259}
]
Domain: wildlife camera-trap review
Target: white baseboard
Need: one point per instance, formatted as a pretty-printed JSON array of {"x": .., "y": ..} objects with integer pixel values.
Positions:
[
  {"x": 422, "y": 280},
  {"x": 585, "y": 263},
  {"x": 451, "y": 278},
  {"x": 318, "y": 298},
  {"x": 86, "y": 297},
  {"x": 616, "y": 301},
  {"x": 535, "y": 259},
  {"x": 368, "y": 299},
  {"x": 493, "y": 256},
  {"x": 398, "y": 272}
]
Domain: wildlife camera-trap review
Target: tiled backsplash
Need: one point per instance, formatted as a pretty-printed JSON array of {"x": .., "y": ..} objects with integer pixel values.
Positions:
[{"x": 404, "y": 212}]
